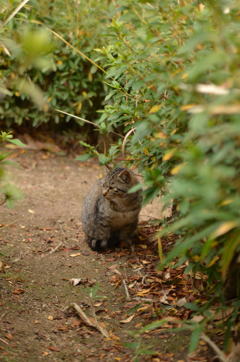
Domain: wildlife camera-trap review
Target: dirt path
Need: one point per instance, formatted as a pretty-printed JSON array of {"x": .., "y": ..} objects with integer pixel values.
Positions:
[{"x": 42, "y": 248}]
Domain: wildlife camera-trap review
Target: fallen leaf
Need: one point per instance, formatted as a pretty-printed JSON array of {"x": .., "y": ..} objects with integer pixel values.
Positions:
[
  {"x": 45, "y": 353},
  {"x": 114, "y": 337},
  {"x": 75, "y": 323},
  {"x": 167, "y": 276},
  {"x": 18, "y": 291},
  {"x": 128, "y": 320},
  {"x": 75, "y": 254},
  {"x": 1, "y": 266},
  {"x": 63, "y": 328},
  {"x": 53, "y": 349},
  {"x": 115, "y": 270},
  {"x": 197, "y": 318},
  {"x": 132, "y": 285},
  {"x": 181, "y": 302},
  {"x": 164, "y": 298},
  {"x": 141, "y": 309},
  {"x": 9, "y": 336},
  {"x": 75, "y": 281},
  {"x": 143, "y": 292},
  {"x": 113, "y": 267}
]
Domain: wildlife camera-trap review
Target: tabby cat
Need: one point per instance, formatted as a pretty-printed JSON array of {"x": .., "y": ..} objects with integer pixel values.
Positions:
[{"x": 110, "y": 213}]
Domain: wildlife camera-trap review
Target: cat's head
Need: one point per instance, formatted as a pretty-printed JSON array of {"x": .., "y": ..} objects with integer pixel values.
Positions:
[{"x": 117, "y": 183}]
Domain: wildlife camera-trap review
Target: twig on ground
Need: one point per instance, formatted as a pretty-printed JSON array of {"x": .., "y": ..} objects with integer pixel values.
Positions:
[
  {"x": 87, "y": 321},
  {"x": 216, "y": 349},
  {"x": 56, "y": 248},
  {"x": 126, "y": 290},
  {"x": 234, "y": 356},
  {"x": 3, "y": 201},
  {"x": 124, "y": 283},
  {"x": 142, "y": 299},
  {"x": 7, "y": 225},
  {"x": 3, "y": 315},
  {"x": 3, "y": 340}
]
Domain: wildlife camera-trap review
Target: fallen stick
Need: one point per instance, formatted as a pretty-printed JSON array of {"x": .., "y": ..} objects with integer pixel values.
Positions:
[
  {"x": 216, "y": 349},
  {"x": 3, "y": 340},
  {"x": 126, "y": 290},
  {"x": 56, "y": 248},
  {"x": 87, "y": 321}
]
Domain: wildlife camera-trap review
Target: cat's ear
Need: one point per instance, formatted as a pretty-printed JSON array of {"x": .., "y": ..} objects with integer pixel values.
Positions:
[
  {"x": 108, "y": 167},
  {"x": 125, "y": 176}
]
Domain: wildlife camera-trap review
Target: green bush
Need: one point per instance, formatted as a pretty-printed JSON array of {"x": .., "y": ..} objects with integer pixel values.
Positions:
[
  {"x": 173, "y": 76},
  {"x": 31, "y": 50},
  {"x": 68, "y": 81},
  {"x": 8, "y": 192}
]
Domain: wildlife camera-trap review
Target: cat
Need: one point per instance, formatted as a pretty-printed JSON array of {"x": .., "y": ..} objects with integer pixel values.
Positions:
[{"x": 110, "y": 213}]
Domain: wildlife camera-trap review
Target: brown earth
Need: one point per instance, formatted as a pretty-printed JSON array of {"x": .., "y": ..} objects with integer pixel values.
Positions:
[{"x": 42, "y": 248}]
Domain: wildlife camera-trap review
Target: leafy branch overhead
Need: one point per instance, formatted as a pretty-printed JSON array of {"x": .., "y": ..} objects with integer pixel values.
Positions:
[{"x": 173, "y": 77}]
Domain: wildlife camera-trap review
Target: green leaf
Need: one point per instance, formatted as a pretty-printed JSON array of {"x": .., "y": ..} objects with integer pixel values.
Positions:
[
  {"x": 184, "y": 245},
  {"x": 228, "y": 251},
  {"x": 103, "y": 160},
  {"x": 4, "y": 155},
  {"x": 207, "y": 247},
  {"x": 192, "y": 306},
  {"x": 17, "y": 142},
  {"x": 195, "y": 337},
  {"x": 83, "y": 157},
  {"x": 153, "y": 325},
  {"x": 135, "y": 188}
]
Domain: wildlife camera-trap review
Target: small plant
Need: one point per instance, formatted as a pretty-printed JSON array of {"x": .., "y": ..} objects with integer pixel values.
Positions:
[
  {"x": 140, "y": 349},
  {"x": 8, "y": 191}
]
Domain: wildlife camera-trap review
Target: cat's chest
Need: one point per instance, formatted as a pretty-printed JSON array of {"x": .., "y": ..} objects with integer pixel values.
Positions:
[{"x": 120, "y": 219}]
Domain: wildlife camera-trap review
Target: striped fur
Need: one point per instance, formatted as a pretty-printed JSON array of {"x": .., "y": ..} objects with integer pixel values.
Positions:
[{"x": 110, "y": 213}]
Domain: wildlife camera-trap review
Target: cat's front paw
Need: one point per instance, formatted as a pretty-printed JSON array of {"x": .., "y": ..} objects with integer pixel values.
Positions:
[{"x": 98, "y": 245}]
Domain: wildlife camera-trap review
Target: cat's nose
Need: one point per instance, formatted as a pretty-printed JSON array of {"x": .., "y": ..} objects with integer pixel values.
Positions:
[{"x": 105, "y": 191}]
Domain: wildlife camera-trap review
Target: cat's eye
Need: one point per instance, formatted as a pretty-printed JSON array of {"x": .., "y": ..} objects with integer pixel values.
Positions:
[{"x": 122, "y": 191}]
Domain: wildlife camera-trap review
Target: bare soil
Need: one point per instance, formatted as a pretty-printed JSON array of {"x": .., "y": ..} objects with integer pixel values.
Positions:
[{"x": 42, "y": 248}]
